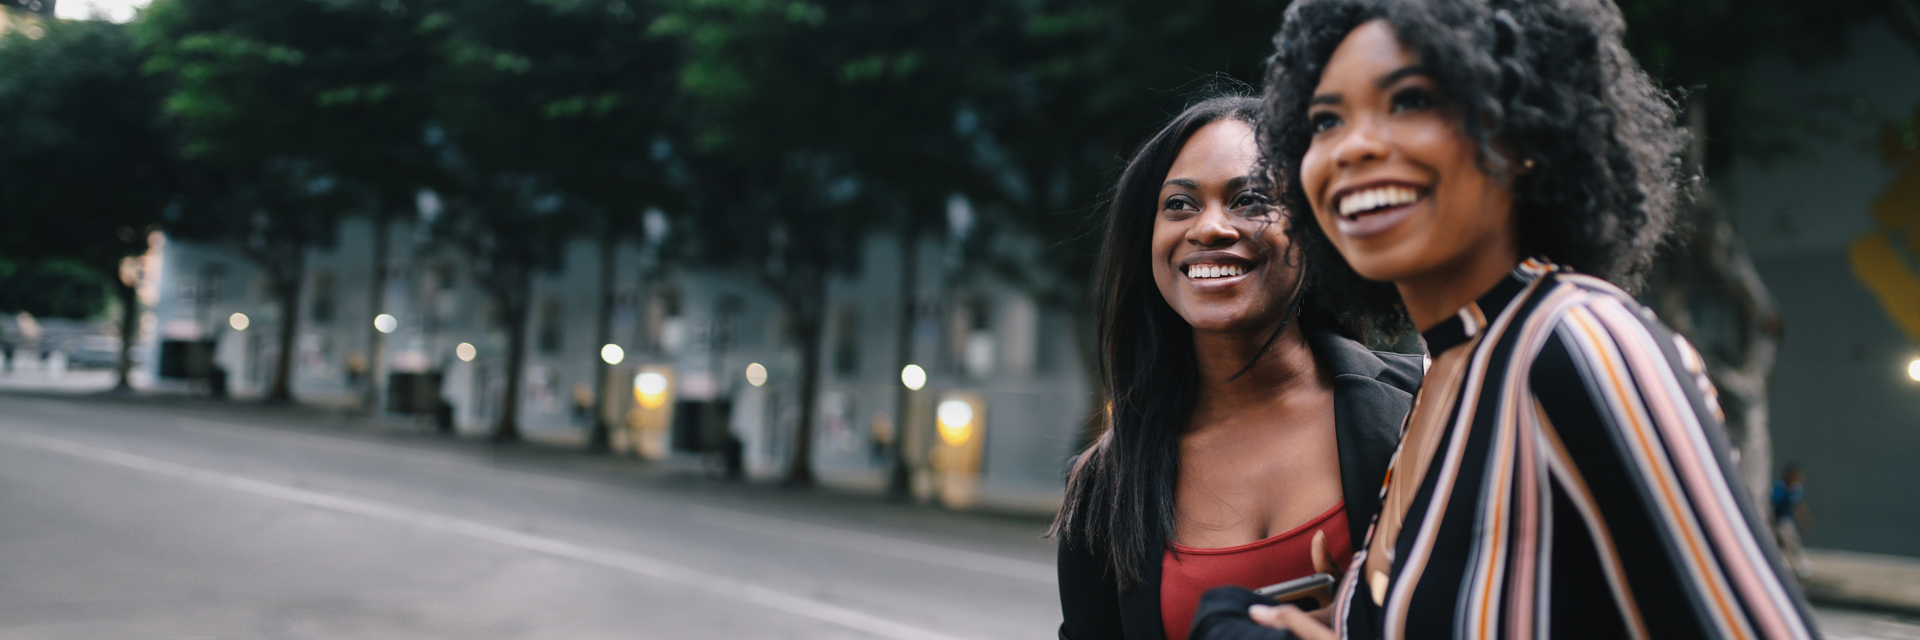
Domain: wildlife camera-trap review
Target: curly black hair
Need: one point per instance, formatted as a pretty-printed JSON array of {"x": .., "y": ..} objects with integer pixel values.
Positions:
[{"x": 1541, "y": 80}]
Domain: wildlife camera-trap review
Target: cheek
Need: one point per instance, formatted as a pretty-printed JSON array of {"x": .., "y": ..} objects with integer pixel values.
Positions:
[
  {"x": 1313, "y": 177},
  {"x": 1160, "y": 252}
]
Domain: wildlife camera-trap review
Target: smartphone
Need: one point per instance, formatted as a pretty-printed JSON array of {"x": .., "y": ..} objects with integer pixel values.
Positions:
[{"x": 1297, "y": 592}]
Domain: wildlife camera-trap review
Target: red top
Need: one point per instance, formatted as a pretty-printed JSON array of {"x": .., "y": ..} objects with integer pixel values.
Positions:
[{"x": 1190, "y": 572}]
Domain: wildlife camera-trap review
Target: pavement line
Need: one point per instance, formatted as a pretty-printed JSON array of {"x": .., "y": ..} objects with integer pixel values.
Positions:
[
  {"x": 626, "y": 561},
  {"x": 357, "y": 447},
  {"x": 878, "y": 545}
]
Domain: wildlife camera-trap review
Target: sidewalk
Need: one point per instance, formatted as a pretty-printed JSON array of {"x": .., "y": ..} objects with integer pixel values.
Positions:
[{"x": 1864, "y": 581}]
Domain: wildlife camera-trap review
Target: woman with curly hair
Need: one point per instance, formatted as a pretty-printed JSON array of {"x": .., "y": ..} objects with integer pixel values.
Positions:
[
  {"x": 1498, "y": 170},
  {"x": 1248, "y": 429}
]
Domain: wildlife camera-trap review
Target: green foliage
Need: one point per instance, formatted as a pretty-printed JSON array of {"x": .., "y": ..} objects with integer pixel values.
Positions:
[
  {"x": 52, "y": 289},
  {"x": 1707, "y": 52},
  {"x": 87, "y": 165}
]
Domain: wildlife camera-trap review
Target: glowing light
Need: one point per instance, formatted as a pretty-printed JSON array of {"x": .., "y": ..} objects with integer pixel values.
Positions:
[
  {"x": 756, "y": 374},
  {"x": 650, "y": 388},
  {"x": 466, "y": 352},
  {"x": 385, "y": 323},
  {"x": 239, "y": 321},
  {"x": 913, "y": 376},
  {"x": 613, "y": 354},
  {"x": 1913, "y": 369},
  {"x": 956, "y": 422}
]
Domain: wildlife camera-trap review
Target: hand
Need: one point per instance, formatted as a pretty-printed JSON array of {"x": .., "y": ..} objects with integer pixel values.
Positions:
[
  {"x": 1286, "y": 617},
  {"x": 1323, "y": 563}
]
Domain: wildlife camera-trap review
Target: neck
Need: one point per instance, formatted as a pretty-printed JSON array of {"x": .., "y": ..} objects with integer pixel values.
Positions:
[
  {"x": 1287, "y": 365},
  {"x": 1433, "y": 296}
]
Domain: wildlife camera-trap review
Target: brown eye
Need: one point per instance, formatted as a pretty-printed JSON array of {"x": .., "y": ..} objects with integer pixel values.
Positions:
[
  {"x": 1413, "y": 99},
  {"x": 1322, "y": 121}
]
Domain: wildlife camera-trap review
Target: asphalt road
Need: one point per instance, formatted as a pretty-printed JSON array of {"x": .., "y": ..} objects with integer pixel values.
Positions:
[
  {"x": 155, "y": 520},
  {"x": 123, "y": 520}
]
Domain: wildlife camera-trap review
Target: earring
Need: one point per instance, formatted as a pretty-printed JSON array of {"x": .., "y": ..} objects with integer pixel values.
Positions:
[{"x": 1526, "y": 165}]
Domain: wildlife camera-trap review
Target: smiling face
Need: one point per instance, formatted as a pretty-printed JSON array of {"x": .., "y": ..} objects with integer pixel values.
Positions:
[
  {"x": 1219, "y": 251},
  {"x": 1392, "y": 177}
]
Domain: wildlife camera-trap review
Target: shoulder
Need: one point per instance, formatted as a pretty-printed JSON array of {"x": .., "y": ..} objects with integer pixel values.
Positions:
[
  {"x": 1588, "y": 330},
  {"x": 1349, "y": 360}
]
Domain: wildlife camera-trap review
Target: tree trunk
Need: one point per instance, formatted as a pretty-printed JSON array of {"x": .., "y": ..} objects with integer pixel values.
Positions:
[
  {"x": 1708, "y": 289},
  {"x": 376, "y": 305},
  {"x": 287, "y": 288},
  {"x": 900, "y": 481},
  {"x": 600, "y": 439},
  {"x": 514, "y": 310},
  {"x": 129, "y": 331},
  {"x": 805, "y": 305}
]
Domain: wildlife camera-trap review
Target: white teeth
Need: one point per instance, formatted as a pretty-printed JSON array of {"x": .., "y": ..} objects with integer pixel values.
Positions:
[
  {"x": 1203, "y": 271},
  {"x": 1376, "y": 198}
]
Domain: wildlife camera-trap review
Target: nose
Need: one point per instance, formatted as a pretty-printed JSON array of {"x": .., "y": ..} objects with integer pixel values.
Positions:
[
  {"x": 1360, "y": 143},
  {"x": 1214, "y": 227}
]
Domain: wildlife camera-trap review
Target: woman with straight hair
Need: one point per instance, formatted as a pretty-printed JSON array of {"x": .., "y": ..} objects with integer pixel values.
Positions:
[
  {"x": 1499, "y": 169},
  {"x": 1248, "y": 430}
]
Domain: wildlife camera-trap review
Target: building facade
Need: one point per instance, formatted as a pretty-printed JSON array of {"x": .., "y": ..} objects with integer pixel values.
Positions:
[{"x": 1011, "y": 360}]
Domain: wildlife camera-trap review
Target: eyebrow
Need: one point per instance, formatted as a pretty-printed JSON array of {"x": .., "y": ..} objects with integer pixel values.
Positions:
[
  {"x": 1385, "y": 81},
  {"x": 1190, "y": 184}
]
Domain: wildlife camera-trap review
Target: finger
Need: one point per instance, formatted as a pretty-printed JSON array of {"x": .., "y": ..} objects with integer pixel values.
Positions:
[
  {"x": 1267, "y": 616},
  {"x": 1322, "y": 561},
  {"x": 1304, "y": 625}
]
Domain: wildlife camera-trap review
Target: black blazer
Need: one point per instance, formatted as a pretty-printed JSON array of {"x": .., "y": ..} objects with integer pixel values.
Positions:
[{"x": 1372, "y": 393}]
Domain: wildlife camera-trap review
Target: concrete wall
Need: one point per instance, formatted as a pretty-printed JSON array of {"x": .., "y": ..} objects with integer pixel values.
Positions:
[{"x": 1843, "y": 406}]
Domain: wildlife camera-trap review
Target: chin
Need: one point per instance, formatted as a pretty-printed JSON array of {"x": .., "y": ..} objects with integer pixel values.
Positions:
[{"x": 1382, "y": 264}]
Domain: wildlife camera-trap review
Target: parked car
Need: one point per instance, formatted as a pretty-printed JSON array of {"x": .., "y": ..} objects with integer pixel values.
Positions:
[{"x": 93, "y": 352}]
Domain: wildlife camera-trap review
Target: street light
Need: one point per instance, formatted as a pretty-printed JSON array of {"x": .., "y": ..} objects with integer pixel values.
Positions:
[
  {"x": 956, "y": 422},
  {"x": 613, "y": 354},
  {"x": 650, "y": 388},
  {"x": 914, "y": 377},
  {"x": 466, "y": 352},
  {"x": 756, "y": 374},
  {"x": 385, "y": 323},
  {"x": 239, "y": 321},
  {"x": 1913, "y": 369}
]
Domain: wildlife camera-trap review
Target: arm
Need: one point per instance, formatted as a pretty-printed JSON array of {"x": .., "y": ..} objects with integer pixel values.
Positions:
[
  {"x": 1646, "y": 508},
  {"x": 1089, "y": 596},
  {"x": 1223, "y": 616}
]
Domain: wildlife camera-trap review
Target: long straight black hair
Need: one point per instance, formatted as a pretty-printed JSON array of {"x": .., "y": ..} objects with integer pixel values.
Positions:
[{"x": 1120, "y": 490}]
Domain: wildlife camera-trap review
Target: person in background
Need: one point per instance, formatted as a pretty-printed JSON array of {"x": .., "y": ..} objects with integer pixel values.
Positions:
[
  {"x": 1248, "y": 429},
  {"x": 1790, "y": 514},
  {"x": 1499, "y": 170}
]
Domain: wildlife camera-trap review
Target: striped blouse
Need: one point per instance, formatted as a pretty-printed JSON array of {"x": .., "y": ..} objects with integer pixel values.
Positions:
[{"x": 1579, "y": 485}]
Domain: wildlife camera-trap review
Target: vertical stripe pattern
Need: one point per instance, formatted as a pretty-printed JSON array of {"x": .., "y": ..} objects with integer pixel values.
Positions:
[{"x": 1581, "y": 486}]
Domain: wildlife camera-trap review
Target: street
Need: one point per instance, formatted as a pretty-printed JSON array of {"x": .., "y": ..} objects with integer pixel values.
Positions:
[
  {"x": 126, "y": 519},
  {"x": 131, "y": 521}
]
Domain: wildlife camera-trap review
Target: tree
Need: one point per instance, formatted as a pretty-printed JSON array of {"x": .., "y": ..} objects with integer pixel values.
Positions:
[
  {"x": 550, "y": 110},
  {"x": 88, "y": 165},
  {"x": 296, "y": 112},
  {"x": 1705, "y": 285},
  {"x": 808, "y": 126}
]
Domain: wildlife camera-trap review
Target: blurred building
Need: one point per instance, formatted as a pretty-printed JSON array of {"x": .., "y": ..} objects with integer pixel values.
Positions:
[
  {"x": 975, "y": 337},
  {"x": 1844, "y": 405}
]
